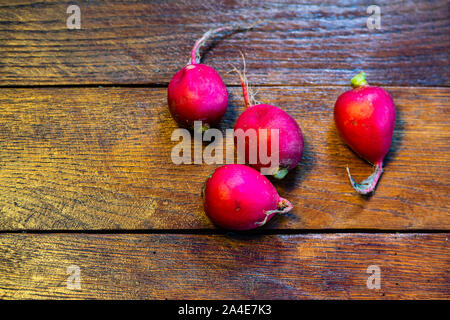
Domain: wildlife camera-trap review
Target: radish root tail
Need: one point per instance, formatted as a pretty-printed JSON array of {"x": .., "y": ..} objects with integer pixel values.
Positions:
[
  {"x": 249, "y": 96},
  {"x": 284, "y": 206},
  {"x": 195, "y": 53},
  {"x": 368, "y": 185}
]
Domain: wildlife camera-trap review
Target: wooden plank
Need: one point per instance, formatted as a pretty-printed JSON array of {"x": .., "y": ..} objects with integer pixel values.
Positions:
[
  {"x": 319, "y": 42},
  {"x": 99, "y": 158},
  {"x": 327, "y": 266}
]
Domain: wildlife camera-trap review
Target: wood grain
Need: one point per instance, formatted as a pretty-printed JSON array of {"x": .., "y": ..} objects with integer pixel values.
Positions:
[
  {"x": 318, "y": 42},
  {"x": 99, "y": 158},
  {"x": 76, "y": 157},
  {"x": 333, "y": 266}
]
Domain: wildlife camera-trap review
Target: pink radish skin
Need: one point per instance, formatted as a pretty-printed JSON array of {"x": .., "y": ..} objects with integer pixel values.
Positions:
[
  {"x": 197, "y": 92},
  {"x": 238, "y": 197},
  {"x": 365, "y": 119},
  {"x": 264, "y": 116}
]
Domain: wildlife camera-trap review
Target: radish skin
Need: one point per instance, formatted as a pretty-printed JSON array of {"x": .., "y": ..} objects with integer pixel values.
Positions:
[
  {"x": 197, "y": 92},
  {"x": 238, "y": 197},
  {"x": 268, "y": 117},
  {"x": 365, "y": 119}
]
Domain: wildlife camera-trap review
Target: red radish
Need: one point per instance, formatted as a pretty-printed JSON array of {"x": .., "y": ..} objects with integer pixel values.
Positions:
[
  {"x": 197, "y": 92},
  {"x": 264, "y": 116},
  {"x": 238, "y": 197},
  {"x": 365, "y": 119}
]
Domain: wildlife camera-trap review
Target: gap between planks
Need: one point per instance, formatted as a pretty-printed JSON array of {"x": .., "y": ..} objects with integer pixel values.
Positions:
[
  {"x": 166, "y": 84},
  {"x": 227, "y": 232}
]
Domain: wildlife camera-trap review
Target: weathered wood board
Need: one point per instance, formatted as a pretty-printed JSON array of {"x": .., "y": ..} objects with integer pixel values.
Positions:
[
  {"x": 314, "y": 42},
  {"x": 100, "y": 158},
  {"x": 81, "y": 156},
  {"x": 168, "y": 266}
]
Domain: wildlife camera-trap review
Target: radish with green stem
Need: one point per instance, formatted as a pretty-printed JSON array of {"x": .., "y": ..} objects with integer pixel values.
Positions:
[
  {"x": 197, "y": 92},
  {"x": 365, "y": 119},
  {"x": 268, "y": 117}
]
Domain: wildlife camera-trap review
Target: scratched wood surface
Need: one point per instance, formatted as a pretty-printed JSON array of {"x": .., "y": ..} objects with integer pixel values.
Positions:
[
  {"x": 76, "y": 156},
  {"x": 313, "y": 42},
  {"x": 100, "y": 158},
  {"x": 326, "y": 266}
]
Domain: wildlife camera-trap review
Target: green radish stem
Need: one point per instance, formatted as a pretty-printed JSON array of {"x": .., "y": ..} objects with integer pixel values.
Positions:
[
  {"x": 359, "y": 80},
  {"x": 280, "y": 172}
]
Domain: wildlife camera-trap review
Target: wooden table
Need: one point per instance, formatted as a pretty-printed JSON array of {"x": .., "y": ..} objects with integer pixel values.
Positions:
[{"x": 87, "y": 185}]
